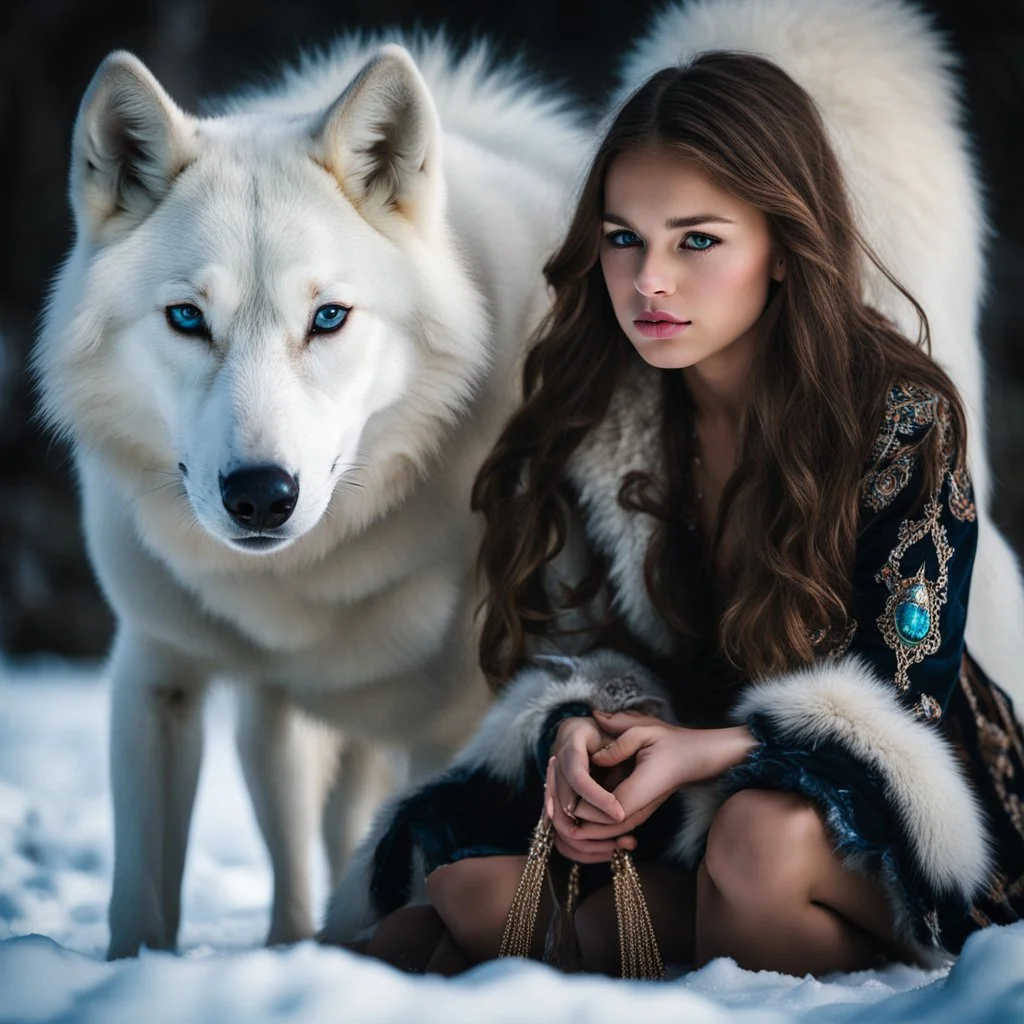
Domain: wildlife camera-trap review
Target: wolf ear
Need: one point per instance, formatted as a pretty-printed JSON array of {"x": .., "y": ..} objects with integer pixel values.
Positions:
[
  {"x": 382, "y": 140},
  {"x": 130, "y": 142}
]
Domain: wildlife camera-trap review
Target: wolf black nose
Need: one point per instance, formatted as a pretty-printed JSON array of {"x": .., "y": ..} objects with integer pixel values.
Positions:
[{"x": 260, "y": 498}]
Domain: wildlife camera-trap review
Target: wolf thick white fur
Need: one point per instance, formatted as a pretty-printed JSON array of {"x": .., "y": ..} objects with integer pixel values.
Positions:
[
  {"x": 886, "y": 86},
  {"x": 421, "y": 194}
]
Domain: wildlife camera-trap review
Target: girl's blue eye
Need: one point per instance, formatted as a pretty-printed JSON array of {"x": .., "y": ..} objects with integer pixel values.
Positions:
[
  {"x": 699, "y": 242},
  {"x": 328, "y": 318},
  {"x": 187, "y": 318},
  {"x": 623, "y": 239}
]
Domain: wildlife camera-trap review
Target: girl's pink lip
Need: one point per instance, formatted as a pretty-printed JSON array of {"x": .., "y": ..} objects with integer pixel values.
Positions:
[
  {"x": 660, "y": 328},
  {"x": 660, "y": 314}
]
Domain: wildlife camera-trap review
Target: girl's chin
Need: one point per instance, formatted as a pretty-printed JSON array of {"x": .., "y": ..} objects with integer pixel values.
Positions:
[{"x": 666, "y": 354}]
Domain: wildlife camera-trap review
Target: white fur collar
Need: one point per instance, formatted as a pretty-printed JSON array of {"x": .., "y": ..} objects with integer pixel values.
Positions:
[{"x": 626, "y": 440}]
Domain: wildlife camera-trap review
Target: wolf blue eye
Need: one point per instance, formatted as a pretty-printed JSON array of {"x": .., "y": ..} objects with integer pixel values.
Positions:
[
  {"x": 328, "y": 318},
  {"x": 623, "y": 239},
  {"x": 187, "y": 318},
  {"x": 699, "y": 242}
]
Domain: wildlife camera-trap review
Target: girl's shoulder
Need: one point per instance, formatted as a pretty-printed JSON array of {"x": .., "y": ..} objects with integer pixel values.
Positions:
[{"x": 916, "y": 426}]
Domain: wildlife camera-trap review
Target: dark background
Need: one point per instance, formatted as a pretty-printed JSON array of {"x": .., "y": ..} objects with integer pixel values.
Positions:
[{"x": 49, "y": 50}]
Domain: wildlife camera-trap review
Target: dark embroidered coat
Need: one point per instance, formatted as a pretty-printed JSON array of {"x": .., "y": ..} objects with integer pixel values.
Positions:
[{"x": 911, "y": 753}]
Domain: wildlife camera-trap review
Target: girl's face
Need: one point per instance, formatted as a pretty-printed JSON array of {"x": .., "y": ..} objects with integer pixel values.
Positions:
[{"x": 687, "y": 265}]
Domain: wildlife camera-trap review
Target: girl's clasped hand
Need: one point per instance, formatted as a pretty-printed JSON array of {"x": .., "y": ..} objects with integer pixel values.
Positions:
[{"x": 608, "y": 774}]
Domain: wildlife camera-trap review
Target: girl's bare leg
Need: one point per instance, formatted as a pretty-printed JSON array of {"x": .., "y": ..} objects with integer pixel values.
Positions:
[
  {"x": 473, "y": 897},
  {"x": 773, "y": 895},
  {"x": 464, "y": 923},
  {"x": 671, "y": 899},
  {"x": 416, "y": 939}
]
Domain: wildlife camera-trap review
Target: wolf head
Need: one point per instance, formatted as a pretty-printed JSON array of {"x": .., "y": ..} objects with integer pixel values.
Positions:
[{"x": 261, "y": 310}]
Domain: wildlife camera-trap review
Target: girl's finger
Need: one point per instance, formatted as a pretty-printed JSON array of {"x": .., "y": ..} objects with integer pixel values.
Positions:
[
  {"x": 586, "y": 853},
  {"x": 594, "y": 832},
  {"x": 622, "y": 748},
  {"x": 586, "y": 811},
  {"x": 590, "y": 833},
  {"x": 558, "y": 799},
  {"x": 566, "y": 802},
  {"x": 575, "y": 766},
  {"x": 620, "y": 721},
  {"x": 638, "y": 796}
]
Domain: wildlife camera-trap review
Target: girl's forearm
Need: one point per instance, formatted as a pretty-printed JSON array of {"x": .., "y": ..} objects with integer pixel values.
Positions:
[{"x": 722, "y": 748}]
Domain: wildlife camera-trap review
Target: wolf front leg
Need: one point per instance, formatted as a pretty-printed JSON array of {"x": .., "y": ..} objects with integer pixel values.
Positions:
[
  {"x": 156, "y": 742},
  {"x": 288, "y": 761}
]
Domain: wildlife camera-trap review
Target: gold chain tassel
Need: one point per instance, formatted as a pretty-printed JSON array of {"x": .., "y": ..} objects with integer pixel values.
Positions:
[
  {"x": 522, "y": 916},
  {"x": 639, "y": 956},
  {"x": 573, "y": 895}
]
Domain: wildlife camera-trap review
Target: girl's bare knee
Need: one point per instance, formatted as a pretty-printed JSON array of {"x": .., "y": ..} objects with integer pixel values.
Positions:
[
  {"x": 473, "y": 897},
  {"x": 473, "y": 884},
  {"x": 760, "y": 847}
]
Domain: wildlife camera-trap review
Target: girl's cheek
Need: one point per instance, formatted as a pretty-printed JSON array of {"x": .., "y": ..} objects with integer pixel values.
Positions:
[
  {"x": 616, "y": 278},
  {"x": 742, "y": 280}
]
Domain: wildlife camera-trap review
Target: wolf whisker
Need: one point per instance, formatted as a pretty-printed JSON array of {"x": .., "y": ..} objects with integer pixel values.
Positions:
[{"x": 159, "y": 487}]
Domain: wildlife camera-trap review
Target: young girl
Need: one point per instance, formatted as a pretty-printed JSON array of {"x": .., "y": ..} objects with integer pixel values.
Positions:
[{"x": 728, "y": 551}]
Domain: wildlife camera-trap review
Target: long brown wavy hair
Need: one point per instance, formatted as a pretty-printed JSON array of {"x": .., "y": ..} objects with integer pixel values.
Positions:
[{"x": 817, "y": 391}]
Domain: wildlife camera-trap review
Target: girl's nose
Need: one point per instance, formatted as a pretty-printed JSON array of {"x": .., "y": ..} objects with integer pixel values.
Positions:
[{"x": 653, "y": 276}]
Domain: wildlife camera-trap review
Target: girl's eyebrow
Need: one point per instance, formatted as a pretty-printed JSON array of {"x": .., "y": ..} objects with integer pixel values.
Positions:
[{"x": 673, "y": 222}]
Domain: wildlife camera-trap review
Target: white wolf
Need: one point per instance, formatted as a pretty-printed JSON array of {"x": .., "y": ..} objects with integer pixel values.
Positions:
[{"x": 283, "y": 342}]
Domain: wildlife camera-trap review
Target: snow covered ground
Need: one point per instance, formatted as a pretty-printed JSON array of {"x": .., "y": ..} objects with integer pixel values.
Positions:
[{"x": 55, "y": 868}]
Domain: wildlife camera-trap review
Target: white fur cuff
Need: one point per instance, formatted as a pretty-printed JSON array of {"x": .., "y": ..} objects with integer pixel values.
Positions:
[
  {"x": 604, "y": 680},
  {"x": 845, "y": 703}
]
